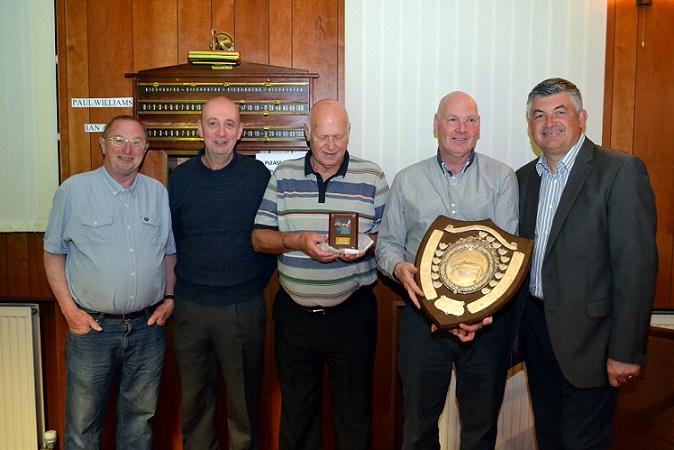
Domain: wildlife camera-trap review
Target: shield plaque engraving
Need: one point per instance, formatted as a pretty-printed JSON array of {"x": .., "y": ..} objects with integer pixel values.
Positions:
[{"x": 469, "y": 270}]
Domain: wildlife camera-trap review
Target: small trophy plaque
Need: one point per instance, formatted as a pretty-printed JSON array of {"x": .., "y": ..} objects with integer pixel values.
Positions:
[
  {"x": 343, "y": 230},
  {"x": 469, "y": 270}
]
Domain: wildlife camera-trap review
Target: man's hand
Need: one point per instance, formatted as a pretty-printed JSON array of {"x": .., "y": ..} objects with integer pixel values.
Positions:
[
  {"x": 162, "y": 314},
  {"x": 79, "y": 321},
  {"x": 467, "y": 332},
  {"x": 619, "y": 373},
  {"x": 308, "y": 244},
  {"x": 405, "y": 272},
  {"x": 349, "y": 258}
]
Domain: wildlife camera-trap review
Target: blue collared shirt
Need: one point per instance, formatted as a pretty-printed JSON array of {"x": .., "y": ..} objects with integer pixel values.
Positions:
[{"x": 114, "y": 239}]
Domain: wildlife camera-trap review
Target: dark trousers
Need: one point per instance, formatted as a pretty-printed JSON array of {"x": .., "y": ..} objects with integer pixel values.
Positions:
[
  {"x": 344, "y": 339},
  {"x": 425, "y": 363},
  {"x": 209, "y": 339},
  {"x": 566, "y": 417}
]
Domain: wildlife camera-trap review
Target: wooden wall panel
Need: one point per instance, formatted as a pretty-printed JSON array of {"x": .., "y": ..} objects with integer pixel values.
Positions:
[
  {"x": 194, "y": 27},
  {"x": 100, "y": 42},
  {"x": 18, "y": 272},
  {"x": 316, "y": 31},
  {"x": 39, "y": 286},
  {"x": 653, "y": 130},
  {"x": 155, "y": 34},
  {"x": 623, "y": 61},
  {"x": 75, "y": 60},
  {"x": 224, "y": 15},
  {"x": 110, "y": 57},
  {"x": 281, "y": 34},
  {"x": 251, "y": 30},
  {"x": 639, "y": 107},
  {"x": 53, "y": 365},
  {"x": 22, "y": 276},
  {"x": 4, "y": 260}
]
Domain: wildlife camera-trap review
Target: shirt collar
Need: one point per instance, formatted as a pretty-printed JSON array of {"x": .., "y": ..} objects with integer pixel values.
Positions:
[
  {"x": 444, "y": 167},
  {"x": 113, "y": 185},
  {"x": 566, "y": 163},
  {"x": 308, "y": 170}
]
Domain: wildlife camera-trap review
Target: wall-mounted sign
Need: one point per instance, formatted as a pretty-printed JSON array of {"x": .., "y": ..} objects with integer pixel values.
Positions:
[
  {"x": 271, "y": 160},
  {"x": 111, "y": 102},
  {"x": 94, "y": 127}
]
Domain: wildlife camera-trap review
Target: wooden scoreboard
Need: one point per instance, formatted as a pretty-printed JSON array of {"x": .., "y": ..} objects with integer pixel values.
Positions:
[{"x": 274, "y": 104}]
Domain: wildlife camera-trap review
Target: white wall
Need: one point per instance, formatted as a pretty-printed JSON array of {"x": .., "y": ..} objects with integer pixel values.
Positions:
[
  {"x": 402, "y": 57},
  {"x": 29, "y": 162}
]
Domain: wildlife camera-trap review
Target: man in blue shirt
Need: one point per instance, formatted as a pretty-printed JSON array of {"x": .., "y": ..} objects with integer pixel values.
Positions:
[{"x": 109, "y": 257}]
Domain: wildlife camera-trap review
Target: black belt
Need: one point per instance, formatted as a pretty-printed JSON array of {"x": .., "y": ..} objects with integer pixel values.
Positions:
[
  {"x": 537, "y": 302},
  {"x": 320, "y": 311},
  {"x": 128, "y": 316}
]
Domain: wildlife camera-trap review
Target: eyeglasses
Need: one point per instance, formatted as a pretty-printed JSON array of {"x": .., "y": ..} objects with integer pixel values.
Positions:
[{"x": 119, "y": 141}]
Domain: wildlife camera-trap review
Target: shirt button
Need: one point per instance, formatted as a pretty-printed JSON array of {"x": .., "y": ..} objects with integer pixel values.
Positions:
[
  {"x": 130, "y": 250},
  {"x": 95, "y": 222}
]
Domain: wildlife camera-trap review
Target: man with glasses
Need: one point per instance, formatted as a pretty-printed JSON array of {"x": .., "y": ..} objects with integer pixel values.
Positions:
[{"x": 109, "y": 258}]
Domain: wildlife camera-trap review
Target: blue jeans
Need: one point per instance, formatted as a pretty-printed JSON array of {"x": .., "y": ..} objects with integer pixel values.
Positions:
[{"x": 135, "y": 354}]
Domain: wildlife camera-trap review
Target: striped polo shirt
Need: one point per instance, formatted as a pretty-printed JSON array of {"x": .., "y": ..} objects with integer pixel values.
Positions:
[{"x": 296, "y": 201}]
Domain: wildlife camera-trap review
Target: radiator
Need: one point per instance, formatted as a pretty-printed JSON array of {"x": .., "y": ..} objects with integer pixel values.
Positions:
[
  {"x": 515, "y": 424},
  {"x": 21, "y": 395}
]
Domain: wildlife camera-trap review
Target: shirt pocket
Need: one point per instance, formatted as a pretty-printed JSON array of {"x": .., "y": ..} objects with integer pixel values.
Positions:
[
  {"x": 96, "y": 228},
  {"x": 152, "y": 230}
]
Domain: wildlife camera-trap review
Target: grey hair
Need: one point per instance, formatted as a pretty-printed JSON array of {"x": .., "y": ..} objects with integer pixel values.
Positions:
[
  {"x": 553, "y": 86},
  {"x": 109, "y": 125}
]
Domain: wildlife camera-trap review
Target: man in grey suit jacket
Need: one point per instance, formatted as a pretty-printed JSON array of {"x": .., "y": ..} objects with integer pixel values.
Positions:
[{"x": 586, "y": 304}]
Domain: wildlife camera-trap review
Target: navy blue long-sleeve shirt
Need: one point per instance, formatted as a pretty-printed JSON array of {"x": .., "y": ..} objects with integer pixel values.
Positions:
[{"x": 213, "y": 212}]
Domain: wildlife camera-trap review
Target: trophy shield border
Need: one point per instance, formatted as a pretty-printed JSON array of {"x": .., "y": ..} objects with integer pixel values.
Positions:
[{"x": 469, "y": 270}]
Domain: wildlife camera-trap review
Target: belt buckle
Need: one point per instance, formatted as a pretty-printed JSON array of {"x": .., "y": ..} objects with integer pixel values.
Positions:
[{"x": 318, "y": 312}]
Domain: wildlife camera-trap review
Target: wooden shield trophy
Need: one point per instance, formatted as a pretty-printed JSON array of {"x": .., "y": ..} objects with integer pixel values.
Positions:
[{"x": 469, "y": 270}]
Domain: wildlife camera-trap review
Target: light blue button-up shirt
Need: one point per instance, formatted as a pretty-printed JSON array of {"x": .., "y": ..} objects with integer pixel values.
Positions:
[{"x": 114, "y": 239}]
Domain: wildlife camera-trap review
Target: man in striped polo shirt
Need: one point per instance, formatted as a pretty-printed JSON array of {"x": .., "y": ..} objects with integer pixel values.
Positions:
[{"x": 325, "y": 311}]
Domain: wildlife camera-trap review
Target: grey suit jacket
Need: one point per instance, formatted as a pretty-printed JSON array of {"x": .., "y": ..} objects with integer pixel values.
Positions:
[{"x": 600, "y": 263}]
